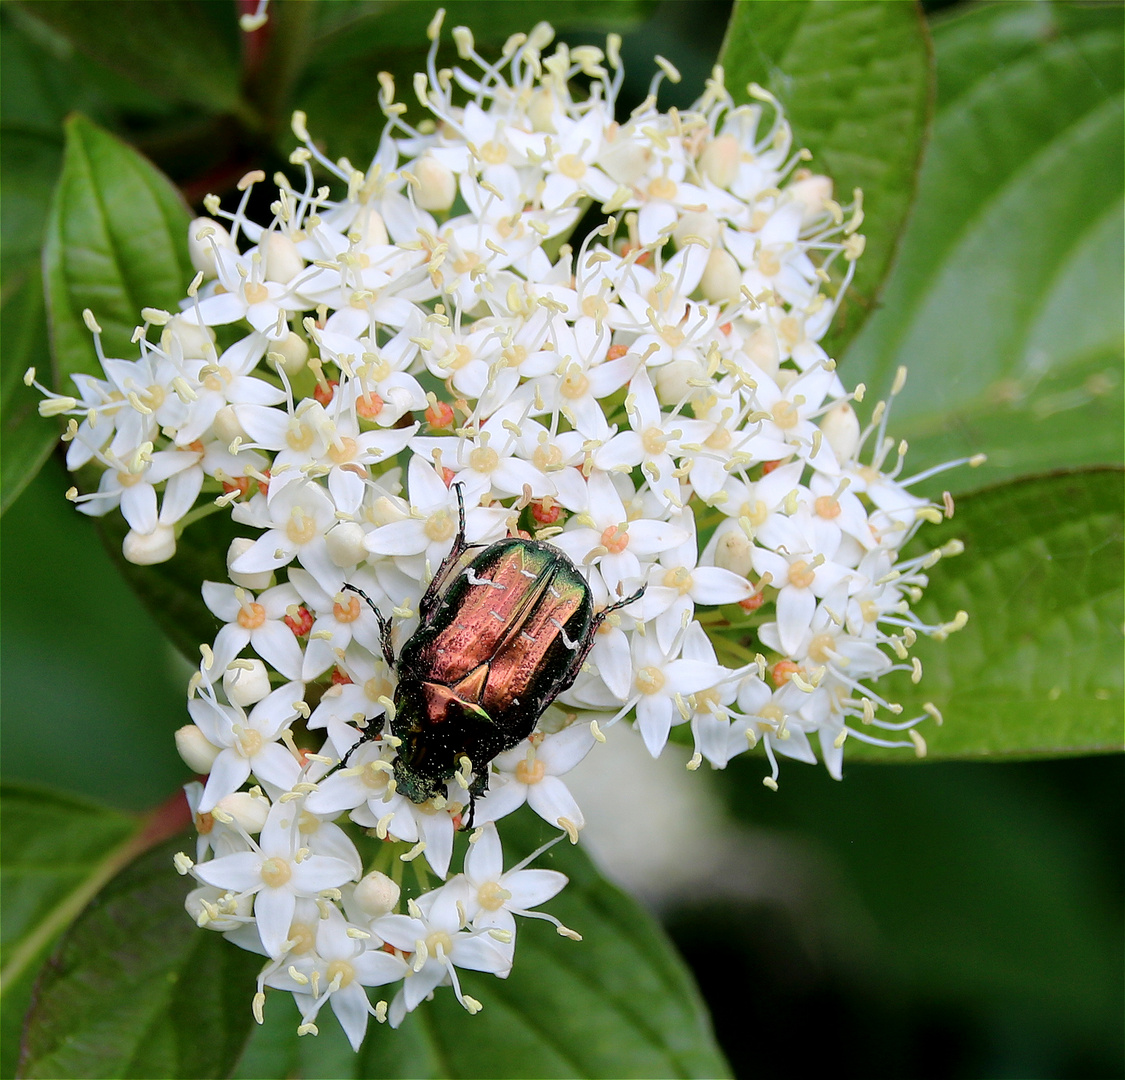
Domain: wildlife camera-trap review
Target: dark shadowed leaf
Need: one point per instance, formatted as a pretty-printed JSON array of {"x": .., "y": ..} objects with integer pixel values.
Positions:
[{"x": 186, "y": 51}]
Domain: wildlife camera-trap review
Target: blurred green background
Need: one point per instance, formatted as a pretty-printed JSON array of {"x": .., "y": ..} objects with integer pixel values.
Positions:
[{"x": 930, "y": 920}]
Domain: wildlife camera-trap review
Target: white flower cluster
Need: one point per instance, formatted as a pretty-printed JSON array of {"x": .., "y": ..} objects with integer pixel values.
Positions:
[{"x": 332, "y": 373}]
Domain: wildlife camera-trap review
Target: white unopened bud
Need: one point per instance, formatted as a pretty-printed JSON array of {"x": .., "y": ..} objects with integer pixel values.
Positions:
[
  {"x": 260, "y": 580},
  {"x": 542, "y": 110},
  {"x": 291, "y": 353},
  {"x": 283, "y": 261},
  {"x": 249, "y": 811},
  {"x": 345, "y": 544},
  {"x": 201, "y": 248},
  {"x": 671, "y": 379},
  {"x": 840, "y": 426},
  {"x": 719, "y": 160},
  {"x": 722, "y": 277},
  {"x": 198, "y": 754},
  {"x": 146, "y": 549},
  {"x": 246, "y": 685},
  {"x": 371, "y": 227},
  {"x": 437, "y": 186},
  {"x": 226, "y": 425},
  {"x": 196, "y": 342},
  {"x": 812, "y": 193},
  {"x": 761, "y": 348},
  {"x": 733, "y": 552},
  {"x": 376, "y": 894},
  {"x": 700, "y": 223},
  {"x": 626, "y": 161}
]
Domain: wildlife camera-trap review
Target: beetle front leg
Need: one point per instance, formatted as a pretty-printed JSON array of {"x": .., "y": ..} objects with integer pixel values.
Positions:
[
  {"x": 430, "y": 596},
  {"x": 384, "y": 626},
  {"x": 584, "y": 647}
]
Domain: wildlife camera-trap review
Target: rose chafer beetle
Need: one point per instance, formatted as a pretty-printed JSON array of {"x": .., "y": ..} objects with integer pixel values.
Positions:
[{"x": 500, "y": 638}]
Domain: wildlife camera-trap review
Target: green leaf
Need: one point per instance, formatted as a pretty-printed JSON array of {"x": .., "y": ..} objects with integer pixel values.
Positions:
[
  {"x": 136, "y": 989},
  {"x": 27, "y": 437},
  {"x": 1006, "y": 301},
  {"x": 186, "y": 51},
  {"x": 53, "y": 856},
  {"x": 373, "y": 37},
  {"x": 854, "y": 79},
  {"x": 618, "y": 1003},
  {"x": 116, "y": 242},
  {"x": 1037, "y": 670}
]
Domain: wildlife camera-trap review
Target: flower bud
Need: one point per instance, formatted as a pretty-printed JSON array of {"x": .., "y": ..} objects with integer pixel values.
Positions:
[
  {"x": 840, "y": 427},
  {"x": 376, "y": 894},
  {"x": 345, "y": 544},
  {"x": 671, "y": 380},
  {"x": 291, "y": 353},
  {"x": 196, "y": 342},
  {"x": 626, "y": 161},
  {"x": 811, "y": 192},
  {"x": 146, "y": 549},
  {"x": 198, "y": 754},
  {"x": 246, "y": 685},
  {"x": 371, "y": 227},
  {"x": 761, "y": 348},
  {"x": 226, "y": 425},
  {"x": 733, "y": 552},
  {"x": 201, "y": 249},
  {"x": 699, "y": 223},
  {"x": 260, "y": 580},
  {"x": 248, "y": 811},
  {"x": 280, "y": 256},
  {"x": 719, "y": 160},
  {"x": 722, "y": 277},
  {"x": 437, "y": 186},
  {"x": 542, "y": 109}
]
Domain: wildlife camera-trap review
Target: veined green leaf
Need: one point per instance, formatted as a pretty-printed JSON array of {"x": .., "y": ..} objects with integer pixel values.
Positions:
[
  {"x": 1037, "y": 670},
  {"x": 134, "y": 988},
  {"x": 116, "y": 242},
  {"x": 1006, "y": 300}
]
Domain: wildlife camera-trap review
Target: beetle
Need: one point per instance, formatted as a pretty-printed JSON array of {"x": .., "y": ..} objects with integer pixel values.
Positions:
[{"x": 499, "y": 639}]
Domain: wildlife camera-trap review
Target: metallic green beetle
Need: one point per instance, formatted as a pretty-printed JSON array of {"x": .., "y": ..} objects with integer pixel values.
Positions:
[{"x": 500, "y": 638}]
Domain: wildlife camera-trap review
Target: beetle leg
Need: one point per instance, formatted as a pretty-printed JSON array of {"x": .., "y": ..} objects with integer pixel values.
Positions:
[
  {"x": 585, "y": 646},
  {"x": 477, "y": 789},
  {"x": 384, "y": 626},
  {"x": 599, "y": 618},
  {"x": 430, "y": 596}
]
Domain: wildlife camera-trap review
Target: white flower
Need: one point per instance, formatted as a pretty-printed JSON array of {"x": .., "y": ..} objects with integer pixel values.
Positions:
[{"x": 275, "y": 872}]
